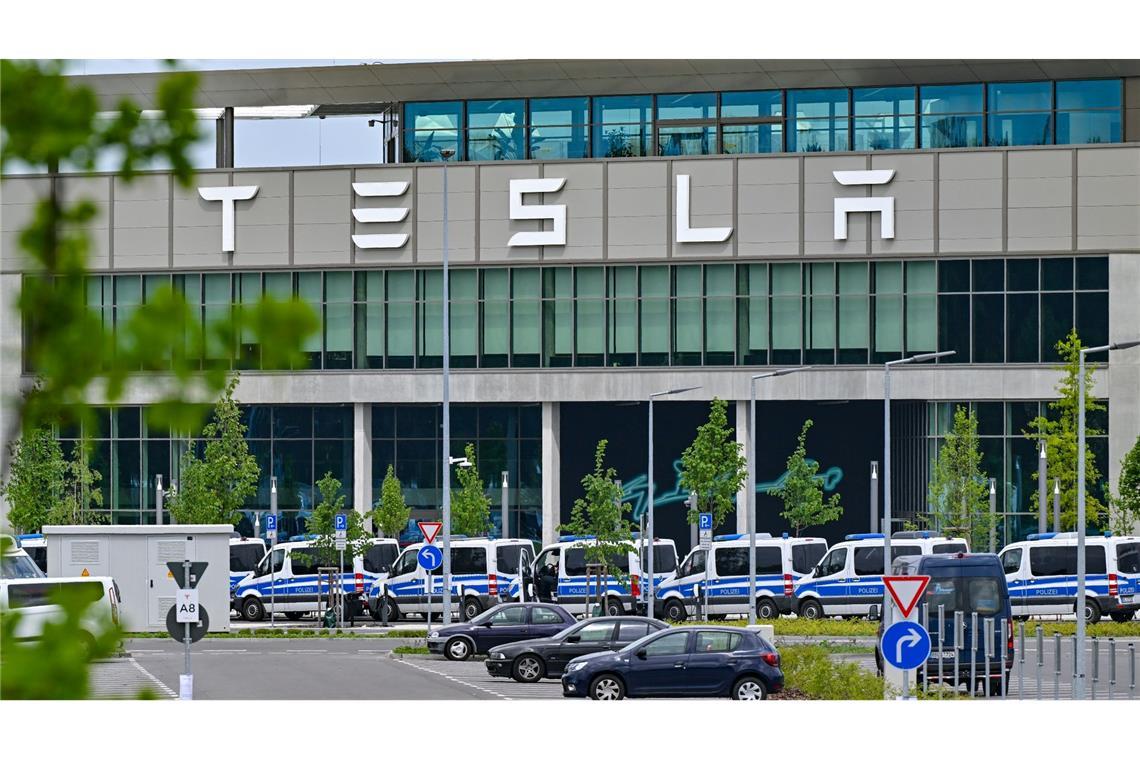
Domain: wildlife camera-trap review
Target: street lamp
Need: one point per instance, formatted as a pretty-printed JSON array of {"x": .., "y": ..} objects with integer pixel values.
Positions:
[
  {"x": 887, "y": 446},
  {"x": 1079, "y": 686},
  {"x": 446, "y": 154},
  {"x": 649, "y": 522},
  {"x": 751, "y": 498}
]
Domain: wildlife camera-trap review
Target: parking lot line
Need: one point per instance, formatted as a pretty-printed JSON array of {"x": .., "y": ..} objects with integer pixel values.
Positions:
[{"x": 452, "y": 678}]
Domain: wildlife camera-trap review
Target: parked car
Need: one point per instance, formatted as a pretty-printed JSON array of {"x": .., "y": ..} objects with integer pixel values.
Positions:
[
  {"x": 37, "y": 601},
  {"x": 535, "y": 659},
  {"x": 15, "y": 562},
  {"x": 502, "y": 624},
  {"x": 696, "y": 661}
]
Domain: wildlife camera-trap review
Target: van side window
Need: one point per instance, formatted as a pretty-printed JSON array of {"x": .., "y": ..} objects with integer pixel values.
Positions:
[
  {"x": 244, "y": 557},
  {"x": 734, "y": 561},
  {"x": 834, "y": 562},
  {"x": 405, "y": 564},
  {"x": 278, "y": 558},
  {"x": 379, "y": 557},
  {"x": 869, "y": 560},
  {"x": 304, "y": 562},
  {"x": 694, "y": 564},
  {"x": 507, "y": 558},
  {"x": 948, "y": 548},
  {"x": 469, "y": 560},
  {"x": 806, "y": 556},
  {"x": 1128, "y": 558},
  {"x": 1062, "y": 560},
  {"x": 548, "y": 562},
  {"x": 1011, "y": 561}
]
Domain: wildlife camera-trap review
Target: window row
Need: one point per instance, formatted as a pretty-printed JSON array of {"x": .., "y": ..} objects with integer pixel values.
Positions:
[{"x": 765, "y": 121}]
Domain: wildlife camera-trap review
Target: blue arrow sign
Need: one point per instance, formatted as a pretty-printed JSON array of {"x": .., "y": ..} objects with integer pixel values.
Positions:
[
  {"x": 430, "y": 557},
  {"x": 341, "y": 521},
  {"x": 905, "y": 645},
  {"x": 705, "y": 521}
]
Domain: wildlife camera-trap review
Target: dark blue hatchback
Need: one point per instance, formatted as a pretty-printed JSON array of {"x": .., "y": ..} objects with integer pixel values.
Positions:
[{"x": 696, "y": 661}]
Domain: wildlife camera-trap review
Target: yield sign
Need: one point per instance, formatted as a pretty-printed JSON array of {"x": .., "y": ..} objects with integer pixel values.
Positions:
[
  {"x": 430, "y": 530},
  {"x": 906, "y": 590}
]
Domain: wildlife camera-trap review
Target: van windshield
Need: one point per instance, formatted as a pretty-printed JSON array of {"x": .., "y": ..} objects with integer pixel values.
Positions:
[
  {"x": 968, "y": 594},
  {"x": 1128, "y": 558},
  {"x": 19, "y": 566}
]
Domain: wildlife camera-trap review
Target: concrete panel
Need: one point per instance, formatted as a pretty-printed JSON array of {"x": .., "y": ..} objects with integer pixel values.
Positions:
[
  {"x": 583, "y": 242},
  {"x": 969, "y": 230},
  {"x": 97, "y": 189},
  {"x": 322, "y": 209},
  {"x": 1108, "y": 198},
  {"x": 953, "y": 166},
  {"x": 970, "y": 202},
  {"x": 710, "y": 205},
  {"x": 312, "y": 182},
  {"x": 495, "y": 227},
  {"x": 638, "y": 210},
  {"x": 1040, "y": 229},
  {"x": 627, "y": 174},
  {"x": 321, "y": 244},
  {"x": 142, "y": 247},
  {"x": 820, "y": 191},
  {"x": 912, "y": 187},
  {"x": 1111, "y": 227},
  {"x": 461, "y": 241},
  {"x": 24, "y": 190}
]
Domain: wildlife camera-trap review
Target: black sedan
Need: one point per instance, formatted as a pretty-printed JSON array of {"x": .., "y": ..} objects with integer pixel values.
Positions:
[
  {"x": 502, "y": 624},
  {"x": 697, "y": 661},
  {"x": 530, "y": 661}
]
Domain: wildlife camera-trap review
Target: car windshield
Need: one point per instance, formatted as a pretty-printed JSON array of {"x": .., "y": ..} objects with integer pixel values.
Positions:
[{"x": 20, "y": 565}]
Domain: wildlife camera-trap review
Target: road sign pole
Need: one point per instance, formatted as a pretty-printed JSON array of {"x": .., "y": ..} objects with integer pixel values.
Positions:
[
  {"x": 186, "y": 690},
  {"x": 340, "y": 586},
  {"x": 272, "y": 551}
]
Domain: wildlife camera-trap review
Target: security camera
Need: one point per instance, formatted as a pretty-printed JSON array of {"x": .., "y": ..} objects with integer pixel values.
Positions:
[{"x": 461, "y": 461}]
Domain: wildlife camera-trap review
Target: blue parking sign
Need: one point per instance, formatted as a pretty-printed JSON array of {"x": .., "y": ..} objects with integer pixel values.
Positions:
[
  {"x": 341, "y": 522},
  {"x": 705, "y": 521},
  {"x": 270, "y": 522}
]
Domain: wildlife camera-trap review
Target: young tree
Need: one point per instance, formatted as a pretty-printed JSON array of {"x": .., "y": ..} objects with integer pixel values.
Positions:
[
  {"x": 958, "y": 491},
  {"x": 713, "y": 466},
  {"x": 601, "y": 513},
  {"x": 323, "y": 523},
  {"x": 802, "y": 491},
  {"x": 1061, "y": 439},
  {"x": 391, "y": 511},
  {"x": 82, "y": 499},
  {"x": 1126, "y": 515},
  {"x": 470, "y": 506},
  {"x": 35, "y": 481},
  {"x": 213, "y": 489}
]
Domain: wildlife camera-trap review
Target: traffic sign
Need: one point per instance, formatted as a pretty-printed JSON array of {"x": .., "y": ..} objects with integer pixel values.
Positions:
[
  {"x": 905, "y": 590},
  {"x": 340, "y": 525},
  {"x": 430, "y": 557},
  {"x": 705, "y": 528},
  {"x": 186, "y": 602},
  {"x": 177, "y": 630},
  {"x": 905, "y": 645},
  {"x": 430, "y": 530},
  {"x": 196, "y": 570},
  {"x": 341, "y": 543},
  {"x": 271, "y": 527}
]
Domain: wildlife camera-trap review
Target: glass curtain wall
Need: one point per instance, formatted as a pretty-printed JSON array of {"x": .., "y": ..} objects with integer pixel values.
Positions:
[{"x": 951, "y": 115}]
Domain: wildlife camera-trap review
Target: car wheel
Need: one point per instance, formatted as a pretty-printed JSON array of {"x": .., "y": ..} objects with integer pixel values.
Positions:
[
  {"x": 766, "y": 610},
  {"x": 811, "y": 610},
  {"x": 252, "y": 609},
  {"x": 749, "y": 688},
  {"x": 994, "y": 687},
  {"x": 614, "y": 607},
  {"x": 675, "y": 611},
  {"x": 294, "y": 615},
  {"x": 528, "y": 668},
  {"x": 457, "y": 648},
  {"x": 1121, "y": 617},
  {"x": 1092, "y": 611},
  {"x": 606, "y": 687},
  {"x": 471, "y": 607}
]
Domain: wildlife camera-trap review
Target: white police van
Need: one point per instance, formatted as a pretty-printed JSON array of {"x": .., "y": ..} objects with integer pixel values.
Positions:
[
  {"x": 1041, "y": 573},
  {"x": 36, "y": 546},
  {"x": 559, "y": 576},
  {"x": 665, "y": 562},
  {"x": 245, "y": 553},
  {"x": 779, "y": 563},
  {"x": 286, "y": 580},
  {"x": 484, "y": 571},
  {"x": 848, "y": 580}
]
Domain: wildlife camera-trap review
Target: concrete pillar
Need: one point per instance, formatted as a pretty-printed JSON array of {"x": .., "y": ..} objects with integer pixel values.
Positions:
[
  {"x": 362, "y": 459},
  {"x": 1123, "y": 386},
  {"x": 742, "y": 435},
  {"x": 551, "y": 471}
]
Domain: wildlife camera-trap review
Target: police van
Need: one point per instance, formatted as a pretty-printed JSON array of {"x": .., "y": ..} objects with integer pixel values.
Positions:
[
  {"x": 484, "y": 571},
  {"x": 245, "y": 553},
  {"x": 36, "y": 546},
  {"x": 285, "y": 580},
  {"x": 559, "y": 576},
  {"x": 665, "y": 561},
  {"x": 848, "y": 580},
  {"x": 779, "y": 563},
  {"x": 1042, "y": 575}
]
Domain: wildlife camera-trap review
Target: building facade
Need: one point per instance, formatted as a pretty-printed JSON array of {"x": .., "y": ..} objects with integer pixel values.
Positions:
[{"x": 614, "y": 235}]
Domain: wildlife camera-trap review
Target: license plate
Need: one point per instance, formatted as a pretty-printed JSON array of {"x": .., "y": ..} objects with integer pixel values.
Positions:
[{"x": 1127, "y": 599}]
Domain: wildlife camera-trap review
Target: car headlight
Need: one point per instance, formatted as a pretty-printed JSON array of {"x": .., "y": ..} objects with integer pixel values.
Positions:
[
  {"x": 433, "y": 635},
  {"x": 575, "y": 666},
  {"x": 498, "y": 656}
]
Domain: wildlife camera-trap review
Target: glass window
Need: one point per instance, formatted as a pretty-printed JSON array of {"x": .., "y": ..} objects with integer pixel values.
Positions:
[
  {"x": 622, "y": 341},
  {"x": 884, "y": 118},
  {"x": 757, "y": 137},
  {"x": 694, "y": 564},
  {"x": 495, "y": 130},
  {"x": 687, "y": 317},
  {"x": 671, "y": 644},
  {"x": 692, "y": 105},
  {"x": 1057, "y": 274},
  {"x": 1092, "y": 273},
  {"x": 632, "y": 630},
  {"x": 401, "y": 327},
  {"x": 888, "y": 310},
  {"x": 597, "y": 631},
  {"x": 590, "y": 316},
  {"x": 468, "y": 560},
  {"x": 921, "y": 307},
  {"x": 819, "y": 320},
  {"x": 430, "y": 348},
  {"x": 854, "y": 313},
  {"x": 1021, "y": 274},
  {"x": 245, "y": 557},
  {"x": 303, "y": 562},
  {"x": 622, "y": 126},
  {"x": 379, "y": 558},
  {"x": 1054, "y": 560},
  {"x": 1128, "y": 558},
  {"x": 558, "y": 128},
  {"x": 951, "y": 115},
  {"x": 716, "y": 641},
  {"x": 786, "y": 311},
  {"x": 806, "y": 556},
  {"x": 1088, "y": 111},
  {"x": 654, "y": 320},
  {"x": 544, "y": 616},
  {"x": 558, "y": 316},
  {"x": 753, "y": 315},
  {"x": 817, "y": 120},
  {"x": 1019, "y": 113},
  {"x": 1011, "y": 561},
  {"x": 834, "y": 562},
  {"x": 464, "y": 317},
  {"x": 508, "y": 616},
  {"x": 869, "y": 560},
  {"x": 574, "y": 562},
  {"x": 720, "y": 313},
  {"x": 1092, "y": 318},
  {"x": 430, "y": 128},
  {"x": 526, "y": 322},
  {"x": 688, "y": 140},
  {"x": 1022, "y": 336},
  {"x": 763, "y": 104},
  {"x": 338, "y": 320},
  {"x": 496, "y": 317}
]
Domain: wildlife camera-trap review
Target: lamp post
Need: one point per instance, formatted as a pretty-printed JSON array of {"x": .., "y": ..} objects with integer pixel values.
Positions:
[
  {"x": 505, "y": 532},
  {"x": 887, "y": 446},
  {"x": 1042, "y": 490},
  {"x": 649, "y": 522},
  {"x": 1079, "y": 686},
  {"x": 1057, "y": 505},
  {"x": 158, "y": 495},
  {"x": 993, "y": 514},
  {"x": 751, "y": 498},
  {"x": 445, "y": 618}
]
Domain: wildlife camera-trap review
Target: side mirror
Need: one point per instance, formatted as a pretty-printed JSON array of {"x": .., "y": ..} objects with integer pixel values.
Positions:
[
  {"x": 573, "y": 638},
  {"x": 873, "y": 612},
  {"x": 641, "y": 653},
  {"x": 385, "y": 568}
]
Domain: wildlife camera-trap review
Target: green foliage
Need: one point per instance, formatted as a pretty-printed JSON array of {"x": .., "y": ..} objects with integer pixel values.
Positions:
[
  {"x": 1126, "y": 502},
  {"x": 82, "y": 499},
  {"x": 811, "y": 670},
  {"x": 49, "y": 121},
  {"x": 54, "y": 666},
  {"x": 323, "y": 523},
  {"x": 713, "y": 466},
  {"x": 1061, "y": 440},
  {"x": 958, "y": 491},
  {"x": 405, "y": 649},
  {"x": 35, "y": 480},
  {"x": 391, "y": 513},
  {"x": 601, "y": 513},
  {"x": 215, "y": 487},
  {"x": 470, "y": 506},
  {"x": 802, "y": 491}
]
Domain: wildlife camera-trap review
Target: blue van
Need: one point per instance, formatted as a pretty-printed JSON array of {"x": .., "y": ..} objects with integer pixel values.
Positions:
[{"x": 966, "y": 583}]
